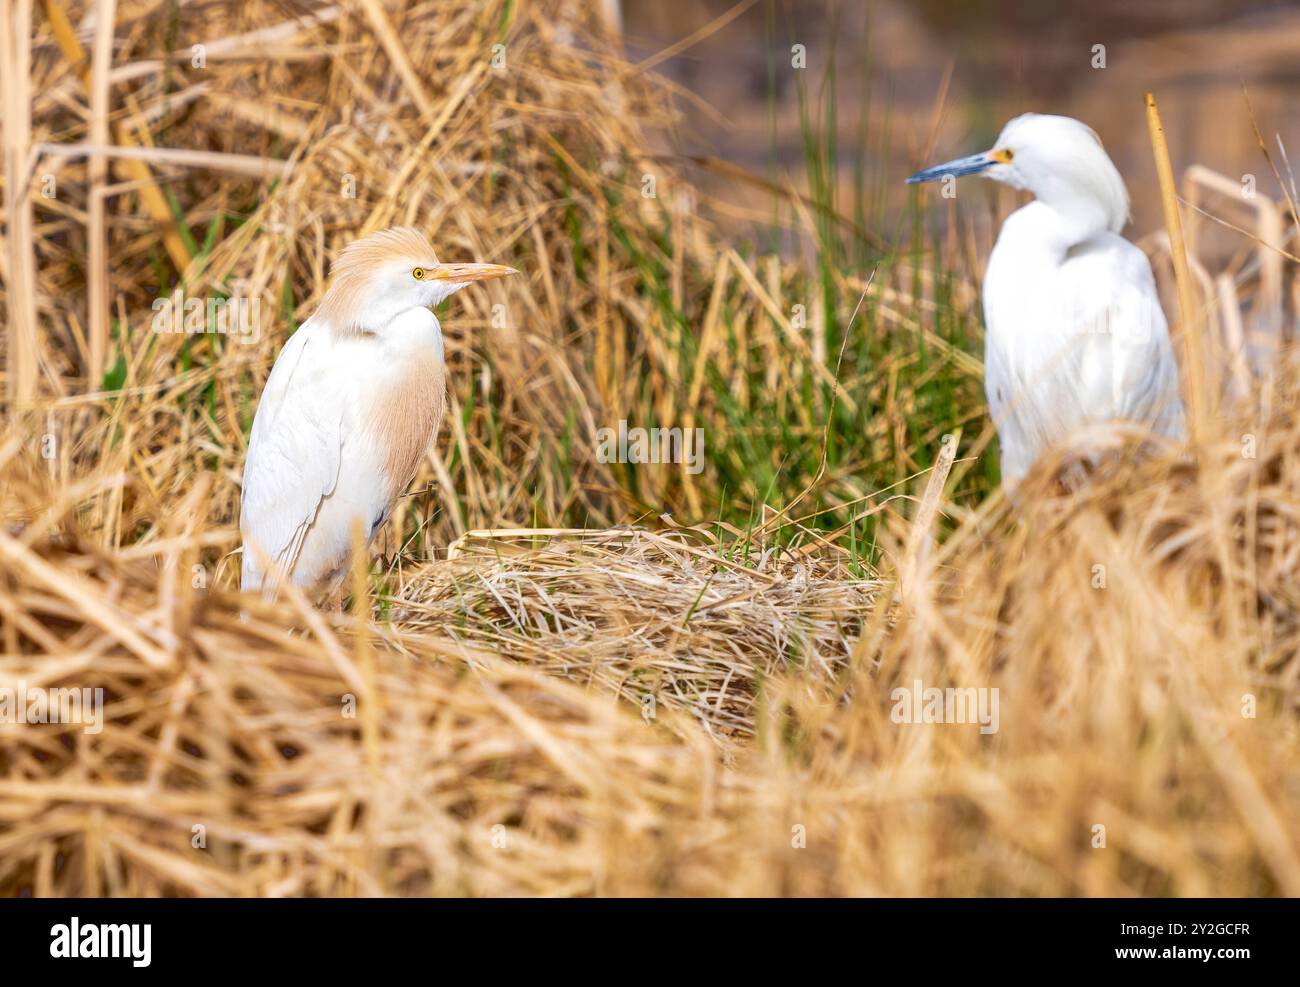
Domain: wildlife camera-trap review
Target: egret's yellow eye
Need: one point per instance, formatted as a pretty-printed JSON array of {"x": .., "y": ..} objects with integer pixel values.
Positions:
[
  {"x": 418, "y": 274},
  {"x": 1004, "y": 155}
]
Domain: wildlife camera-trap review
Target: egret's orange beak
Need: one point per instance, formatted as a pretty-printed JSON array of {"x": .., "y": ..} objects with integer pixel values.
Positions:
[{"x": 465, "y": 273}]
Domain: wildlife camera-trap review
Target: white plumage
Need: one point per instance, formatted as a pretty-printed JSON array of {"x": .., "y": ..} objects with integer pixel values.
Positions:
[
  {"x": 351, "y": 406},
  {"x": 1074, "y": 332}
]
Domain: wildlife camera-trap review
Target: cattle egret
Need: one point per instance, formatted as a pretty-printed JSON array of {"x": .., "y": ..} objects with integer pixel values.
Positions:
[
  {"x": 1074, "y": 332},
  {"x": 352, "y": 404}
]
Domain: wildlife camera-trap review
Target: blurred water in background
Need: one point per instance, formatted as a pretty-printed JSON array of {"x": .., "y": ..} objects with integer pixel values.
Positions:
[{"x": 889, "y": 61}]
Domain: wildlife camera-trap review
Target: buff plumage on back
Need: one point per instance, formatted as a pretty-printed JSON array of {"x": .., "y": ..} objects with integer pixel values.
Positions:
[{"x": 343, "y": 302}]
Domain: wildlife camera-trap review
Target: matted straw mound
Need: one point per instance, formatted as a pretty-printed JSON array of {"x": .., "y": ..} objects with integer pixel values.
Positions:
[{"x": 677, "y": 618}]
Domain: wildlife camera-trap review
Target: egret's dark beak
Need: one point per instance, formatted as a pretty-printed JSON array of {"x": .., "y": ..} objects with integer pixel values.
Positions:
[{"x": 972, "y": 165}]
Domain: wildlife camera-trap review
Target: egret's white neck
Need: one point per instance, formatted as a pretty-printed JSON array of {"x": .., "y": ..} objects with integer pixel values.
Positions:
[
  {"x": 1077, "y": 215},
  {"x": 379, "y": 314},
  {"x": 413, "y": 331},
  {"x": 372, "y": 316},
  {"x": 1045, "y": 231}
]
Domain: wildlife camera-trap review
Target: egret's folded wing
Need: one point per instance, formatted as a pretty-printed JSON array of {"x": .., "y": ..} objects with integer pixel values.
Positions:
[
  {"x": 1150, "y": 375},
  {"x": 1126, "y": 368},
  {"x": 1005, "y": 399},
  {"x": 293, "y": 457}
]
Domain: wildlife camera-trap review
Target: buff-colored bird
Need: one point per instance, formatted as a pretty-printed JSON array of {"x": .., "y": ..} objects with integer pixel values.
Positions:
[{"x": 352, "y": 404}]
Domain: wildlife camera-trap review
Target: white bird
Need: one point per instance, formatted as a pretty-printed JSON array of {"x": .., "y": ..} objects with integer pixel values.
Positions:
[
  {"x": 352, "y": 404},
  {"x": 1074, "y": 332}
]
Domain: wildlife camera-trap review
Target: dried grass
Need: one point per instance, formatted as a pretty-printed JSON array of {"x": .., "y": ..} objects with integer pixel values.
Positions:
[
  {"x": 674, "y": 619},
  {"x": 484, "y": 726},
  {"x": 502, "y": 742}
]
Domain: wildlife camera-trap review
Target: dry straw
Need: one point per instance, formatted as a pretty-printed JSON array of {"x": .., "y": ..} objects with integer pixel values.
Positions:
[{"x": 645, "y": 709}]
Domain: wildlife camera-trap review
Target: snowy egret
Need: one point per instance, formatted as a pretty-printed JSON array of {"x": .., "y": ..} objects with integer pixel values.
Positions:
[
  {"x": 351, "y": 406},
  {"x": 1074, "y": 332}
]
